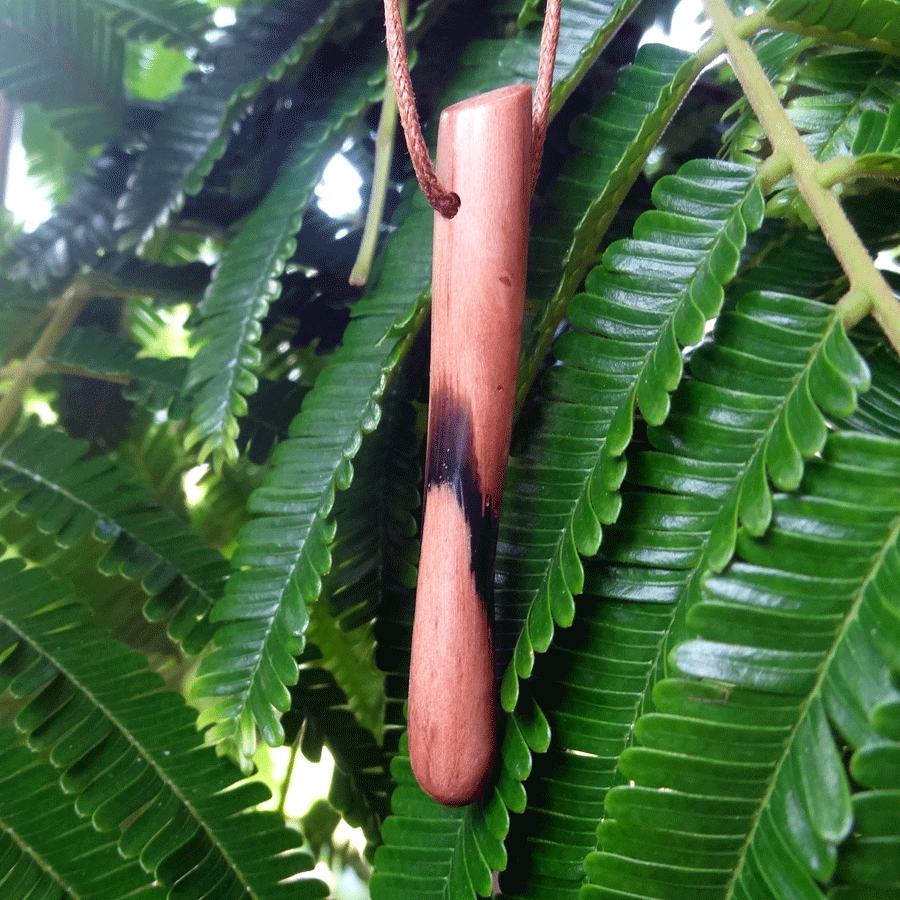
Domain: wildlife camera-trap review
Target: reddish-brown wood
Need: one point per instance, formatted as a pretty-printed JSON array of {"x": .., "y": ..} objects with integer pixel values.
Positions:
[{"x": 478, "y": 288}]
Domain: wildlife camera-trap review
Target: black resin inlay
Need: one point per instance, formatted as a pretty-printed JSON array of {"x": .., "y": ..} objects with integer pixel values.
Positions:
[{"x": 451, "y": 461}]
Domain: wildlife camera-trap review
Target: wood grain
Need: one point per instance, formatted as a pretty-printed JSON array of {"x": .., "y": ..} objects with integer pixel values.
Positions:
[{"x": 478, "y": 289}]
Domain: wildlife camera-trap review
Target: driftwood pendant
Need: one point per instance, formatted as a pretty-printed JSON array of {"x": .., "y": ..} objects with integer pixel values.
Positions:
[{"x": 478, "y": 289}]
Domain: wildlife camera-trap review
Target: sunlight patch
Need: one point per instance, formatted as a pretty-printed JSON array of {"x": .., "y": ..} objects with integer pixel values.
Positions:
[{"x": 338, "y": 191}]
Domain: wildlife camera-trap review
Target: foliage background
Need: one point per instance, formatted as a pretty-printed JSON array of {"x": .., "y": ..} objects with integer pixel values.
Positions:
[{"x": 698, "y": 570}]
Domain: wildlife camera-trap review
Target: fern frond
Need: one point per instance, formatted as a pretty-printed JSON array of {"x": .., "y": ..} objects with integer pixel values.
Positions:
[
  {"x": 115, "y": 600},
  {"x": 827, "y": 116},
  {"x": 262, "y": 44},
  {"x": 228, "y": 319},
  {"x": 69, "y": 494},
  {"x": 835, "y": 90},
  {"x": 319, "y": 716},
  {"x": 171, "y": 21},
  {"x": 651, "y": 294},
  {"x": 721, "y": 444},
  {"x": 48, "y": 850},
  {"x": 129, "y": 752},
  {"x": 866, "y": 24},
  {"x": 799, "y": 258},
  {"x": 67, "y": 57},
  {"x": 81, "y": 230},
  {"x": 614, "y": 141},
  {"x": 777, "y": 53},
  {"x": 434, "y": 850},
  {"x": 585, "y": 28},
  {"x": 157, "y": 384},
  {"x": 879, "y": 408},
  {"x": 876, "y": 145},
  {"x": 349, "y": 658},
  {"x": 282, "y": 556},
  {"x": 786, "y": 645},
  {"x": 375, "y": 519}
]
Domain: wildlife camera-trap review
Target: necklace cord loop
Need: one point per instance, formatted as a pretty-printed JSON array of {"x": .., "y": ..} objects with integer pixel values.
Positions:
[{"x": 443, "y": 201}]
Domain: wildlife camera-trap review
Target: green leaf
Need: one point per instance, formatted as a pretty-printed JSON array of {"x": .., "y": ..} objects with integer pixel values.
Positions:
[
  {"x": 129, "y": 752},
  {"x": 615, "y": 140},
  {"x": 801, "y": 799},
  {"x": 56, "y": 853},
  {"x": 319, "y": 715},
  {"x": 68, "y": 57},
  {"x": 150, "y": 20},
  {"x": 585, "y": 28},
  {"x": 877, "y": 142},
  {"x": 870, "y": 23},
  {"x": 190, "y": 135},
  {"x": 425, "y": 841},
  {"x": 154, "y": 383},
  {"x": 652, "y": 294},
  {"x": 247, "y": 279},
  {"x": 69, "y": 494}
]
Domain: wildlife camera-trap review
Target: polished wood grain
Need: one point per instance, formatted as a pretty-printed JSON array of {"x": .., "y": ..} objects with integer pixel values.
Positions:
[{"x": 478, "y": 288}]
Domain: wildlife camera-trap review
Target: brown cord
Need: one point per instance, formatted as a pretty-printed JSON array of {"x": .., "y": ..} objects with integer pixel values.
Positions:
[
  {"x": 443, "y": 201},
  {"x": 540, "y": 113}
]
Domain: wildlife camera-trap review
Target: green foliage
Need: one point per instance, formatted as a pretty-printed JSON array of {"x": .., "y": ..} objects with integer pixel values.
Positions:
[
  {"x": 69, "y": 494},
  {"x": 265, "y": 44},
  {"x": 697, "y": 625},
  {"x": 57, "y": 853},
  {"x": 247, "y": 279},
  {"x": 68, "y": 58},
  {"x": 128, "y": 753},
  {"x": 792, "y": 659}
]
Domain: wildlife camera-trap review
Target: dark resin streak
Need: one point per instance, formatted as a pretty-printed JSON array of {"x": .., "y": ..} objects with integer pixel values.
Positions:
[{"x": 451, "y": 461}]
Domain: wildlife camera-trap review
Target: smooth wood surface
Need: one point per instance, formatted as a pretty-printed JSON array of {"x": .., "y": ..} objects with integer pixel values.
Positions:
[{"x": 478, "y": 289}]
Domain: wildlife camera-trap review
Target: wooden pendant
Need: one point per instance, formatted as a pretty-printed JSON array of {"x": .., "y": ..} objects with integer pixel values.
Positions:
[{"x": 478, "y": 289}]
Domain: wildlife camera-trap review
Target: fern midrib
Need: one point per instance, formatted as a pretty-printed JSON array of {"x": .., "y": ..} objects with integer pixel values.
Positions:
[
  {"x": 78, "y": 501},
  {"x": 630, "y": 397},
  {"x": 147, "y": 757},
  {"x": 589, "y": 231},
  {"x": 727, "y": 510},
  {"x": 815, "y": 692}
]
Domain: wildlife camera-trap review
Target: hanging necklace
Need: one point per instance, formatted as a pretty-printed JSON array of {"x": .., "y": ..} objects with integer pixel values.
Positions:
[{"x": 488, "y": 157}]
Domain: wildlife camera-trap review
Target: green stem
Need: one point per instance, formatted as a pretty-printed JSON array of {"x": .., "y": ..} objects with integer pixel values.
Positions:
[
  {"x": 34, "y": 365},
  {"x": 853, "y": 307},
  {"x": 845, "y": 168},
  {"x": 865, "y": 279},
  {"x": 288, "y": 776},
  {"x": 384, "y": 152},
  {"x": 776, "y": 167}
]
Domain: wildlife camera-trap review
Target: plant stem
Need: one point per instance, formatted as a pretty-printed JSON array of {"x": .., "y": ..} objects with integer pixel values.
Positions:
[
  {"x": 288, "y": 775},
  {"x": 865, "y": 279},
  {"x": 384, "y": 153},
  {"x": 34, "y": 365}
]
